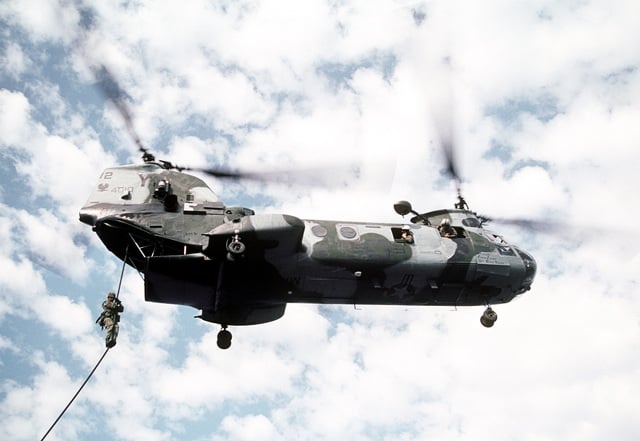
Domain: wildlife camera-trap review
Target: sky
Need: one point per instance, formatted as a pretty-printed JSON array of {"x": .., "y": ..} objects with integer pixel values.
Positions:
[{"x": 541, "y": 100}]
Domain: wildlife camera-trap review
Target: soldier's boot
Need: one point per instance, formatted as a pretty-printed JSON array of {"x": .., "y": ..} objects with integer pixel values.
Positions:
[
  {"x": 110, "y": 341},
  {"x": 112, "y": 334}
]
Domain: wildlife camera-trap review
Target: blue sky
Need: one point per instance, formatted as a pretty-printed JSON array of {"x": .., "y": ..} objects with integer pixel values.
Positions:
[{"x": 543, "y": 99}]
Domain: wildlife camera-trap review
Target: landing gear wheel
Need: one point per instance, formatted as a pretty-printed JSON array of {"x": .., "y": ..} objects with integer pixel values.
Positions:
[
  {"x": 489, "y": 317},
  {"x": 224, "y": 339},
  {"x": 236, "y": 247}
]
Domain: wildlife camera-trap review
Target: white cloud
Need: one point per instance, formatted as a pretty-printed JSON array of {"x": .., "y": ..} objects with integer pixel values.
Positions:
[
  {"x": 71, "y": 319},
  {"x": 53, "y": 165},
  {"x": 20, "y": 283},
  {"x": 513, "y": 48},
  {"x": 29, "y": 410},
  {"x": 544, "y": 110},
  {"x": 43, "y": 20},
  {"x": 24, "y": 295},
  {"x": 554, "y": 349},
  {"x": 17, "y": 127},
  {"x": 14, "y": 61},
  {"x": 6, "y": 344},
  {"x": 240, "y": 376},
  {"x": 52, "y": 241},
  {"x": 249, "y": 428}
]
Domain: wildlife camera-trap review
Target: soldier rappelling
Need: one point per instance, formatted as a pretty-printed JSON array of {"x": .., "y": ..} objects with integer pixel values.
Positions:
[{"x": 111, "y": 309}]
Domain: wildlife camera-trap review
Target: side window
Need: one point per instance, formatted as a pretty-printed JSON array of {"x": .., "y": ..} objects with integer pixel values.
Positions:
[
  {"x": 402, "y": 235},
  {"x": 471, "y": 222},
  {"x": 347, "y": 232},
  {"x": 450, "y": 232}
]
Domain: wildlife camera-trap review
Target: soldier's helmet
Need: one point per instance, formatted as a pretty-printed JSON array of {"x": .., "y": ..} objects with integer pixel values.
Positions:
[
  {"x": 445, "y": 223},
  {"x": 111, "y": 295}
]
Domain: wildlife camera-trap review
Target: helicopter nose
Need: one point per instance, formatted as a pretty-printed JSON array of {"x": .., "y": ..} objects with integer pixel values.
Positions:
[{"x": 530, "y": 268}]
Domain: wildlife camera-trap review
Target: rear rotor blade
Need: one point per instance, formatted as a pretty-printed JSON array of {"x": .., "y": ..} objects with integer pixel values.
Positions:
[
  {"x": 317, "y": 176},
  {"x": 330, "y": 176},
  {"x": 118, "y": 97}
]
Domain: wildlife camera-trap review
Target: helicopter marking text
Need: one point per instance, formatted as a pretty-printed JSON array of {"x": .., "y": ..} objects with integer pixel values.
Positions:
[{"x": 143, "y": 178}]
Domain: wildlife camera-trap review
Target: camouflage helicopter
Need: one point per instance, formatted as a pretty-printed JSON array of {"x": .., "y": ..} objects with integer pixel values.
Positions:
[{"x": 242, "y": 268}]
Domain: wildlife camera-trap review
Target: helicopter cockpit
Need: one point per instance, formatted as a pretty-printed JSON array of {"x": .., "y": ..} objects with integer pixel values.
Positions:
[{"x": 457, "y": 218}]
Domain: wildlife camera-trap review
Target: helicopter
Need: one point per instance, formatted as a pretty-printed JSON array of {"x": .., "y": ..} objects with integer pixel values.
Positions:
[{"x": 242, "y": 268}]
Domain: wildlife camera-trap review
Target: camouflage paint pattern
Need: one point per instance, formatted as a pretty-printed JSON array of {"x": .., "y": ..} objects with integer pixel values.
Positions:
[{"x": 170, "y": 226}]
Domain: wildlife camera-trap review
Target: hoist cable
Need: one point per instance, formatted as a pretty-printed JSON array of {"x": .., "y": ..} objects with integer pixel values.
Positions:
[{"x": 77, "y": 393}]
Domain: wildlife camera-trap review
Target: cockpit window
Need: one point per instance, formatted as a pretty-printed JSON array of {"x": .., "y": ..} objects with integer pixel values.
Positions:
[
  {"x": 498, "y": 240},
  {"x": 403, "y": 234},
  {"x": 471, "y": 222}
]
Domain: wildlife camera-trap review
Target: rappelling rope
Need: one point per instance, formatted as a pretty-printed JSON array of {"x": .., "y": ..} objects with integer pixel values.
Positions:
[
  {"x": 97, "y": 364},
  {"x": 77, "y": 393},
  {"x": 124, "y": 263}
]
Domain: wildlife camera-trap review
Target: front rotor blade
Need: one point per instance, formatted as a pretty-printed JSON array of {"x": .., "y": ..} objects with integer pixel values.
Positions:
[
  {"x": 442, "y": 104},
  {"x": 573, "y": 234},
  {"x": 449, "y": 156},
  {"x": 569, "y": 232},
  {"x": 533, "y": 225}
]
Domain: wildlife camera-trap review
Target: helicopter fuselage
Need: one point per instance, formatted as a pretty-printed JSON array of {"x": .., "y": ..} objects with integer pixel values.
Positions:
[{"x": 242, "y": 268}]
